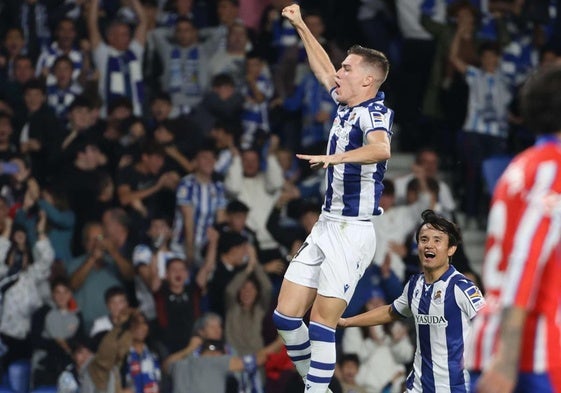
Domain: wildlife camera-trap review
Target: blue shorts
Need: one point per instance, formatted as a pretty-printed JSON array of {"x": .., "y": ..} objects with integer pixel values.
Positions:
[{"x": 527, "y": 383}]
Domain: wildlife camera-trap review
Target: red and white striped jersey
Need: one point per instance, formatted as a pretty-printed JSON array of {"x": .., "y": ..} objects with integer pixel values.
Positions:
[{"x": 522, "y": 265}]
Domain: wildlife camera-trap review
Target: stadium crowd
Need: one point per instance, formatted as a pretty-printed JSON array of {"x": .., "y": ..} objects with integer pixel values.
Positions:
[{"x": 150, "y": 198}]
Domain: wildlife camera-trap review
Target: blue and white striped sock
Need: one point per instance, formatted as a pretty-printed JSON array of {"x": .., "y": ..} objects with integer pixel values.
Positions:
[
  {"x": 322, "y": 365},
  {"x": 294, "y": 332}
]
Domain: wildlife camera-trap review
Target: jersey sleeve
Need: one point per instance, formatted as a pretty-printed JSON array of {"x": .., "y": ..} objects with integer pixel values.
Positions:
[
  {"x": 468, "y": 297},
  {"x": 184, "y": 193},
  {"x": 377, "y": 118},
  {"x": 401, "y": 304},
  {"x": 141, "y": 255},
  {"x": 471, "y": 74}
]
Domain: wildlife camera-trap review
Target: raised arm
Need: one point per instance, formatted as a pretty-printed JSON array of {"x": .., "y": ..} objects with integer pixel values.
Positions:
[
  {"x": 454, "y": 55},
  {"x": 93, "y": 28},
  {"x": 142, "y": 28},
  {"x": 318, "y": 58}
]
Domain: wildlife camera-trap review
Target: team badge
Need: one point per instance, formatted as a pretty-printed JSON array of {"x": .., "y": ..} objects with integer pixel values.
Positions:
[
  {"x": 438, "y": 298},
  {"x": 474, "y": 295}
]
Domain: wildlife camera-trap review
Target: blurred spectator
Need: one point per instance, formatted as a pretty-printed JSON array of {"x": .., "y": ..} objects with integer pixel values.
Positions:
[
  {"x": 12, "y": 91},
  {"x": 257, "y": 188},
  {"x": 178, "y": 146},
  {"x": 248, "y": 297},
  {"x": 231, "y": 59},
  {"x": 119, "y": 61},
  {"x": 258, "y": 91},
  {"x": 141, "y": 367},
  {"x": 91, "y": 274},
  {"x": 485, "y": 128},
  {"x": 70, "y": 380},
  {"x": 348, "y": 365},
  {"x": 85, "y": 183},
  {"x": 8, "y": 149},
  {"x": 224, "y": 136},
  {"x": 276, "y": 33},
  {"x": 53, "y": 328},
  {"x": 208, "y": 371},
  {"x": 103, "y": 371},
  {"x": 60, "y": 219},
  {"x": 144, "y": 189},
  {"x": 41, "y": 132},
  {"x": 377, "y": 22},
  {"x": 222, "y": 103},
  {"x": 427, "y": 161},
  {"x": 177, "y": 307},
  {"x": 200, "y": 203},
  {"x": 64, "y": 45},
  {"x": 14, "y": 188},
  {"x": 382, "y": 354},
  {"x": 150, "y": 259},
  {"x": 28, "y": 293},
  {"x": 185, "y": 72},
  {"x": 12, "y": 46},
  {"x": 215, "y": 37},
  {"x": 63, "y": 91},
  {"x": 317, "y": 109},
  {"x": 417, "y": 52},
  {"x": 232, "y": 255},
  {"x": 115, "y": 302},
  {"x": 397, "y": 222},
  {"x": 33, "y": 18}
]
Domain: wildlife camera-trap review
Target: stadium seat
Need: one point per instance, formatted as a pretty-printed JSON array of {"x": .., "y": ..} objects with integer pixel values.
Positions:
[
  {"x": 19, "y": 374},
  {"x": 492, "y": 169}
]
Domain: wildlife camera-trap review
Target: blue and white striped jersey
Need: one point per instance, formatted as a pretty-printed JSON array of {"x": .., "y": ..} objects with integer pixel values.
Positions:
[
  {"x": 205, "y": 199},
  {"x": 354, "y": 190},
  {"x": 443, "y": 312},
  {"x": 489, "y": 97}
]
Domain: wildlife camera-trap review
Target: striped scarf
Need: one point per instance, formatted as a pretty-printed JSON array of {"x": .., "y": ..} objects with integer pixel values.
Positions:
[
  {"x": 60, "y": 99},
  {"x": 49, "y": 56},
  {"x": 124, "y": 78},
  {"x": 41, "y": 26},
  {"x": 184, "y": 72}
]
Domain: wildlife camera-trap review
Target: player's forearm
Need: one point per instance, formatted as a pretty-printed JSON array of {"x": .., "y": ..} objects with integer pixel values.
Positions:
[
  {"x": 378, "y": 316},
  {"x": 368, "y": 154},
  {"x": 508, "y": 355},
  {"x": 318, "y": 58}
]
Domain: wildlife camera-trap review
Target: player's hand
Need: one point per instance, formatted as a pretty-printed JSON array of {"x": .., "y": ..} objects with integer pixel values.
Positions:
[
  {"x": 292, "y": 13},
  {"x": 317, "y": 161},
  {"x": 493, "y": 381},
  {"x": 342, "y": 322}
]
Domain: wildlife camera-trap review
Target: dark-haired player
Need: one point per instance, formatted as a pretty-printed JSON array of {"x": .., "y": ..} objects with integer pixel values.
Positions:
[{"x": 442, "y": 302}]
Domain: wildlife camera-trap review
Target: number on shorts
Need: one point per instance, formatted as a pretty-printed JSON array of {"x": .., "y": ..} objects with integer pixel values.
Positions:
[{"x": 303, "y": 246}]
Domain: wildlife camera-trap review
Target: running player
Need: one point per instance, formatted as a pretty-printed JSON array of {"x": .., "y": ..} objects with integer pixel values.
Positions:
[{"x": 324, "y": 273}]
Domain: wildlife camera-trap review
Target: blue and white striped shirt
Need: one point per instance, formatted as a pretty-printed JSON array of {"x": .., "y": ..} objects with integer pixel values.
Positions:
[
  {"x": 489, "y": 97},
  {"x": 443, "y": 312},
  {"x": 354, "y": 190},
  {"x": 205, "y": 199}
]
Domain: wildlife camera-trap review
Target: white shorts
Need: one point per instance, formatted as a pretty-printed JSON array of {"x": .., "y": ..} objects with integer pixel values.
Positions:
[{"x": 334, "y": 257}]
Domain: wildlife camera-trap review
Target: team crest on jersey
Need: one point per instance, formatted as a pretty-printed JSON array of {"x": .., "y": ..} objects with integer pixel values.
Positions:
[
  {"x": 438, "y": 298},
  {"x": 474, "y": 295}
]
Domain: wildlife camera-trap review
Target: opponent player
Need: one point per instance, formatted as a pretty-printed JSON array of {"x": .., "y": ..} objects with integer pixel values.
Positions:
[
  {"x": 517, "y": 340},
  {"x": 442, "y": 302},
  {"x": 324, "y": 273}
]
